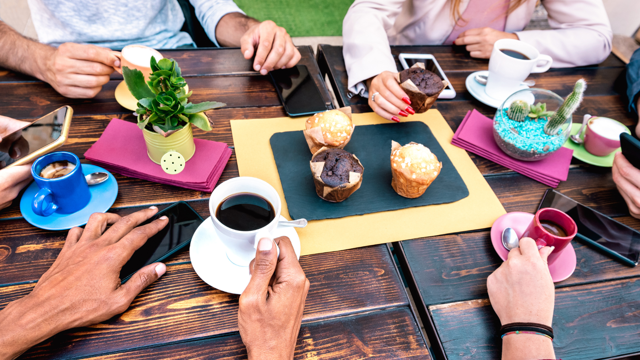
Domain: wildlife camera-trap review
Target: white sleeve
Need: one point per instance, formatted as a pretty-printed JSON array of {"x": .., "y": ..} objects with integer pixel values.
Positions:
[
  {"x": 581, "y": 33},
  {"x": 366, "y": 48},
  {"x": 209, "y": 13}
]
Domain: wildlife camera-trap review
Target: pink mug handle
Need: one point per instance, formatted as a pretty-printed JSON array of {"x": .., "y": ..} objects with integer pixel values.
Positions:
[{"x": 119, "y": 56}]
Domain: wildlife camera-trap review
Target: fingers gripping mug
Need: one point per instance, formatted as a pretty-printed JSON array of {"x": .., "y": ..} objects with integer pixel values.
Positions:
[
  {"x": 63, "y": 187},
  {"x": 552, "y": 227},
  {"x": 137, "y": 57}
]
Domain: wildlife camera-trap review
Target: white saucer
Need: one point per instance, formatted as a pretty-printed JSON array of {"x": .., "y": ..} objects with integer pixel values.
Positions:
[
  {"x": 477, "y": 90},
  {"x": 210, "y": 261}
]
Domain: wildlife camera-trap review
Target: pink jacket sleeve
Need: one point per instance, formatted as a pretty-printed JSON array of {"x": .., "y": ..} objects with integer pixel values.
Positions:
[
  {"x": 366, "y": 48},
  {"x": 581, "y": 33}
]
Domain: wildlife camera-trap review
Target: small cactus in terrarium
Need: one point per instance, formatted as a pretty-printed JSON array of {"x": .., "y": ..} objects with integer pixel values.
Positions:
[
  {"x": 518, "y": 110},
  {"x": 567, "y": 108},
  {"x": 539, "y": 110}
]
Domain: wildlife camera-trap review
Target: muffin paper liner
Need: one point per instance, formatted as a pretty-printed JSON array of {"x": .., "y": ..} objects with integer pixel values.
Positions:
[
  {"x": 334, "y": 194},
  {"x": 316, "y": 140},
  {"x": 420, "y": 102},
  {"x": 401, "y": 179}
]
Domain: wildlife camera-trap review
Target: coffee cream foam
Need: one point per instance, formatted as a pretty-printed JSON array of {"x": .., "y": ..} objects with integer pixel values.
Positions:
[
  {"x": 140, "y": 55},
  {"x": 608, "y": 128}
]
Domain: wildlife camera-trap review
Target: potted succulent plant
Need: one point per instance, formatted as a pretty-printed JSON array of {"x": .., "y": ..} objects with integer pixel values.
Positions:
[{"x": 165, "y": 114}]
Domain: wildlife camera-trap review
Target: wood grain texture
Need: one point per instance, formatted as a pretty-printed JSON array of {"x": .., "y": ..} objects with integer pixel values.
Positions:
[
  {"x": 605, "y": 324},
  {"x": 387, "y": 334},
  {"x": 180, "y": 306}
]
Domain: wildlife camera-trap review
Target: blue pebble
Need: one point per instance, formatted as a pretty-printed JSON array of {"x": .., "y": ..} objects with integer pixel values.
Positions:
[{"x": 528, "y": 130}]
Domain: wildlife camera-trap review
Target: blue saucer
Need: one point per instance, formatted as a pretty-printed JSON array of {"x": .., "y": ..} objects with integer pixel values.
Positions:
[{"x": 102, "y": 197}]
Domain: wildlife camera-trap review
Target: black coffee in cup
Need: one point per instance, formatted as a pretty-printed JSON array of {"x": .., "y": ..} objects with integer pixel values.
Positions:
[
  {"x": 553, "y": 228},
  {"x": 245, "y": 212},
  {"x": 57, "y": 169},
  {"x": 515, "y": 54}
]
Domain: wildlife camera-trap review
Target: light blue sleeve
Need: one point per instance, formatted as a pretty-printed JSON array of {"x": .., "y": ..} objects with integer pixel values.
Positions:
[{"x": 209, "y": 13}]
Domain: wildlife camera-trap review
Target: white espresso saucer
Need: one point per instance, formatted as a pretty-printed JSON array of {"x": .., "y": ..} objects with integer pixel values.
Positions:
[
  {"x": 477, "y": 90},
  {"x": 210, "y": 261}
]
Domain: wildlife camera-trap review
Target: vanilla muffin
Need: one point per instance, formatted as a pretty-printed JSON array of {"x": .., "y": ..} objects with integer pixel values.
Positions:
[
  {"x": 331, "y": 129},
  {"x": 413, "y": 168}
]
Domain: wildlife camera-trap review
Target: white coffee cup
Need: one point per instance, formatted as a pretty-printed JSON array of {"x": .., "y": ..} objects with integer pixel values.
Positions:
[
  {"x": 241, "y": 245},
  {"x": 506, "y": 73}
]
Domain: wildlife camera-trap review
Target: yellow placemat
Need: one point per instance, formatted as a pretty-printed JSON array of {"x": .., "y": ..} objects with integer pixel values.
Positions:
[{"x": 477, "y": 211}]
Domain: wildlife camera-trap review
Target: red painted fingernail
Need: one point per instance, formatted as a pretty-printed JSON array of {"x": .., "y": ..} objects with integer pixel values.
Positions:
[
  {"x": 407, "y": 100},
  {"x": 410, "y": 110},
  {"x": 402, "y": 113},
  {"x": 395, "y": 118}
]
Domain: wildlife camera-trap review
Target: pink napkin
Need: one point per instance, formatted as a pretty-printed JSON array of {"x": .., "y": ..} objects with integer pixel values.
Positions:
[
  {"x": 475, "y": 134},
  {"x": 122, "y": 149}
]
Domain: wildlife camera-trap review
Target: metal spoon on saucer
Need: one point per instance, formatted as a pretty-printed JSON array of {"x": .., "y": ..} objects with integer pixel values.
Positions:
[
  {"x": 577, "y": 138},
  {"x": 482, "y": 79},
  {"x": 96, "y": 178},
  {"x": 509, "y": 239},
  {"x": 300, "y": 223}
]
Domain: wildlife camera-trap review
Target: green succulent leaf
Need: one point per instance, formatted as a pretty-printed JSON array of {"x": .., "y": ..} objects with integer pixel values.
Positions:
[
  {"x": 200, "y": 120},
  {"x": 207, "y": 105},
  {"x": 135, "y": 82}
]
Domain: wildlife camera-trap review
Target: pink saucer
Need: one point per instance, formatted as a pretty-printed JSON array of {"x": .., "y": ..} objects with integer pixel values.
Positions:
[{"x": 560, "y": 270}]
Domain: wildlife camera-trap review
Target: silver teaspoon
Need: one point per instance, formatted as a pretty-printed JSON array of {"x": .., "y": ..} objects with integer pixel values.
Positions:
[
  {"x": 509, "y": 239},
  {"x": 482, "y": 79},
  {"x": 96, "y": 178},
  {"x": 577, "y": 138},
  {"x": 300, "y": 223}
]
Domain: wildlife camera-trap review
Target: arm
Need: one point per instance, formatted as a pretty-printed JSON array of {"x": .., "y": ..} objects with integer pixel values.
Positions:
[
  {"x": 74, "y": 70},
  {"x": 633, "y": 84},
  {"x": 81, "y": 288},
  {"x": 227, "y": 25},
  {"x": 521, "y": 290},
  {"x": 581, "y": 33}
]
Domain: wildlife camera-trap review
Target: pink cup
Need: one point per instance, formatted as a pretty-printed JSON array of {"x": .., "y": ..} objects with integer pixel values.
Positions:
[
  {"x": 597, "y": 144},
  {"x": 544, "y": 238}
]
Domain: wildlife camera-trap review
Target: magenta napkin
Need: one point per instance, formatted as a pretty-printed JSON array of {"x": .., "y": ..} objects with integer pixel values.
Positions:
[
  {"x": 122, "y": 149},
  {"x": 475, "y": 134}
]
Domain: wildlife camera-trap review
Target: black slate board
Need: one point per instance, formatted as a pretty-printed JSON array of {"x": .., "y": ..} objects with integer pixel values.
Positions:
[{"x": 372, "y": 145}]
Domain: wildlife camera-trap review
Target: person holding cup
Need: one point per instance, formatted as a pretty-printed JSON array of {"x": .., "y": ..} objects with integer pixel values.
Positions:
[
  {"x": 370, "y": 26},
  {"x": 81, "y": 289},
  {"x": 76, "y": 37}
]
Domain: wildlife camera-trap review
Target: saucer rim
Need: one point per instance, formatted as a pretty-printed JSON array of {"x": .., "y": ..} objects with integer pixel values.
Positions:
[{"x": 470, "y": 79}]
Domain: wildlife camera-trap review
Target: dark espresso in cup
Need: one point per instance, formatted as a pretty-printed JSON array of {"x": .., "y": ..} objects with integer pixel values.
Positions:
[
  {"x": 245, "y": 212},
  {"x": 515, "y": 54},
  {"x": 553, "y": 228},
  {"x": 57, "y": 169}
]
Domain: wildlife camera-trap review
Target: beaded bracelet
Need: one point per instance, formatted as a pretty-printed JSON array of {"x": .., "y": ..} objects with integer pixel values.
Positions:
[{"x": 526, "y": 332}]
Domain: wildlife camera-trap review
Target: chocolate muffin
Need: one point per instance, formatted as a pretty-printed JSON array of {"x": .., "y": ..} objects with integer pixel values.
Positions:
[
  {"x": 336, "y": 173},
  {"x": 422, "y": 86}
]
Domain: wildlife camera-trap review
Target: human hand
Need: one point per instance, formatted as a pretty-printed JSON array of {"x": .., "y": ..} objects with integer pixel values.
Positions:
[
  {"x": 82, "y": 287},
  {"x": 479, "y": 42},
  {"x": 11, "y": 140},
  {"x": 12, "y": 180},
  {"x": 521, "y": 289},
  {"x": 390, "y": 98},
  {"x": 272, "y": 46},
  {"x": 78, "y": 70},
  {"x": 271, "y": 306},
  {"x": 627, "y": 180}
]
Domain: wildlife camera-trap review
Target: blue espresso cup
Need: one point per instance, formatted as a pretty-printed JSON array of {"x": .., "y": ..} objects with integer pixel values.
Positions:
[{"x": 63, "y": 195}]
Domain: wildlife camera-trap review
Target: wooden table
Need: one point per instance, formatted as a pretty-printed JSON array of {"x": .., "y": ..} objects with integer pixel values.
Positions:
[
  {"x": 597, "y": 309},
  {"x": 357, "y": 305}
]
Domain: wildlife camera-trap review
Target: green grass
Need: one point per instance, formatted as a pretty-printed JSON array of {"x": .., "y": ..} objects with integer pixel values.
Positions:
[{"x": 300, "y": 17}]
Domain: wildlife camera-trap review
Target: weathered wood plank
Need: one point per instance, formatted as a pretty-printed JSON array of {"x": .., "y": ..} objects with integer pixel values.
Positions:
[
  {"x": 606, "y": 323},
  {"x": 387, "y": 334},
  {"x": 180, "y": 306}
]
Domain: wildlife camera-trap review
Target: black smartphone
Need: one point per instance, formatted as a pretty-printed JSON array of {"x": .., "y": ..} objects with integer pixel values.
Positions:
[
  {"x": 183, "y": 223},
  {"x": 297, "y": 91},
  {"x": 630, "y": 149},
  {"x": 596, "y": 229}
]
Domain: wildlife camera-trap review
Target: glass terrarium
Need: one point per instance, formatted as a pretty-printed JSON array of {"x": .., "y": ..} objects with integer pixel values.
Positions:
[{"x": 525, "y": 127}]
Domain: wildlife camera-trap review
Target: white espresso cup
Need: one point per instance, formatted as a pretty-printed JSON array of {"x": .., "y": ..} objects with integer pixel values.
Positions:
[
  {"x": 241, "y": 245},
  {"x": 506, "y": 73}
]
